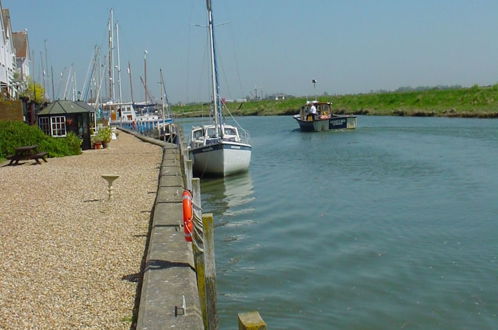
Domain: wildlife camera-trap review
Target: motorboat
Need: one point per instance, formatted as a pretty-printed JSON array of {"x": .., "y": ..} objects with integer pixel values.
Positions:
[{"x": 317, "y": 116}]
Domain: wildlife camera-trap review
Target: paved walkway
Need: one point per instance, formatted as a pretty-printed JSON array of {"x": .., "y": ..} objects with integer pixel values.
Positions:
[{"x": 70, "y": 258}]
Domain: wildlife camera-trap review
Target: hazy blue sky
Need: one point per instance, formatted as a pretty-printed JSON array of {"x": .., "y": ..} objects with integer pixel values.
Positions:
[{"x": 349, "y": 46}]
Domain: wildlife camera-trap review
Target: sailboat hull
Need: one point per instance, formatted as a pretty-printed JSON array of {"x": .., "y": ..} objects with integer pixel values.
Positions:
[{"x": 221, "y": 159}]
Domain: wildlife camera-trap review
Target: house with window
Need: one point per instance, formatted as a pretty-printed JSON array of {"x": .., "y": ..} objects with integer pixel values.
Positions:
[
  {"x": 7, "y": 56},
  {"x": 61, "y": 117},
  {"x": 4, "y": 80},
  {"x": 21, "y": 46}
]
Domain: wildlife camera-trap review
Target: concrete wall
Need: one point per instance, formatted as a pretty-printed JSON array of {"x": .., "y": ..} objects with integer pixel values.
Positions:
[{"x": 169, "y": 296}]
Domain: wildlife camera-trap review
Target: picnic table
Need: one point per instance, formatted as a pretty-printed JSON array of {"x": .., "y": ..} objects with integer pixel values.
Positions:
[{"x": 27, "y": 153}]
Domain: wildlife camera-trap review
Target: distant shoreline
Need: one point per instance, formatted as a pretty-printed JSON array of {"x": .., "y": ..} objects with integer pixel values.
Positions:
[
  {"x": 366, "y": 112},
  {"x": 473, "y": 102}
]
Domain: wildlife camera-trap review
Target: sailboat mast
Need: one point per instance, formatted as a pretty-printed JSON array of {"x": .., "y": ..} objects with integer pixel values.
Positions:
[
  {"x": 214, "y": 74},
  {"x": 162, "y": 91},
  {"x": 165, "y": 96},
  {"x": 145, "y": 75},
  {"x": 111, "y": 56},
  {"x": 131, "y": 84},
  {"x": 119, "y": 65}
]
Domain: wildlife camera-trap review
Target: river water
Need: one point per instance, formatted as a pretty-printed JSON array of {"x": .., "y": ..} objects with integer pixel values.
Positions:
[{"x": 393, "y": 225}]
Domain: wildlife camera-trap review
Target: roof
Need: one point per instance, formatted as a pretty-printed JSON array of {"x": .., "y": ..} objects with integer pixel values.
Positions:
[
  {"x": 21, "y": 43},
  {"x": 317, "y": 102},
  {"x": 61, "y": 107}
]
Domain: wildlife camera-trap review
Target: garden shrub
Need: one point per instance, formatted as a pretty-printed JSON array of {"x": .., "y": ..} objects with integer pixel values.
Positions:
[{"x": 15, "y": 134}]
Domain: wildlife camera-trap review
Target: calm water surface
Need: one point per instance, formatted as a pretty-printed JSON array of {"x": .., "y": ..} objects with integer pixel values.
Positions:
[{"x": 393, "y": 225}]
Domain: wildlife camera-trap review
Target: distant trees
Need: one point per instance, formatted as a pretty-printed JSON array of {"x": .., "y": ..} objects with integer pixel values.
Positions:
[{"x": 426, "y": 88}]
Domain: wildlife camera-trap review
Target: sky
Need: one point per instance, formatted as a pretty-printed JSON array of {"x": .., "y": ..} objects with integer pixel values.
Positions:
[{"x": 270, "y": 46}]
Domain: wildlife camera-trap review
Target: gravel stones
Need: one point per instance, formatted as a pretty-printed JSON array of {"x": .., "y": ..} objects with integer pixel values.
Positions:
[{"x": 69, "y": 257}]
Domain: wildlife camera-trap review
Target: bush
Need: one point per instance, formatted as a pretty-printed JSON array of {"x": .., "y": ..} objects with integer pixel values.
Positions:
[
  {"x": 104, "y": 134},
  {"x": 15, "y": 134}
]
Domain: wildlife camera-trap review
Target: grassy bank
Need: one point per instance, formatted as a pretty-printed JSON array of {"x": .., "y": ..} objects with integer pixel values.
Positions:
[
  {"x": 15, "y": 134},
  {"x": 476, "y": 101}
]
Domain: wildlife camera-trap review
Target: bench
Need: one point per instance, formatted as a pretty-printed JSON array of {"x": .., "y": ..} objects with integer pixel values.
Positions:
[
  {"x": 27, "y": 153},
  {"x": 38, "y": 156}
]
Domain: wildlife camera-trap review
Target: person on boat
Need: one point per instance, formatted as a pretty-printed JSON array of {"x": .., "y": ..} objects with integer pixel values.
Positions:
[{"x": 313, "y": 111}]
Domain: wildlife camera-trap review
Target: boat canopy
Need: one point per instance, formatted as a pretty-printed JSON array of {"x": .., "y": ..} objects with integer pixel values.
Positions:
[
  {"x": 322, "y": 109},
  {"x": 206, "y": 134}
]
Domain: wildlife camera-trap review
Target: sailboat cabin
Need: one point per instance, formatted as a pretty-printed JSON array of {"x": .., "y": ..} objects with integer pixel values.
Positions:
[{"x": 206, "y": 135}]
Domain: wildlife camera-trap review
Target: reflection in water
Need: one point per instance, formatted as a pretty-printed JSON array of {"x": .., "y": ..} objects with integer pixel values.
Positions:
[
  {"x": 228, "y": 197},
  {"x": 389, "y": 226}
]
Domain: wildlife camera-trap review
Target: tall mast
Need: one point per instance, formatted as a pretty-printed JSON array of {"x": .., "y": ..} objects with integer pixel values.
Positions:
[
  {"x": 111, "y": 57},
  {"x": 68, "y": 79},
  {"x": 46, "y": 69},
  {"x": 131, "y": 84},
  {"x": 119, "y": 65},
  {"x": 145, "y": 76},
  {"x": 75, "y": 97},
  {"x": 53, "y": 89},
  {"x": 33, "y": 79},
  {"x": 164, "y": 97},
  {"x": 43, "y": 76},
  {"x": 214, "y": 73}
]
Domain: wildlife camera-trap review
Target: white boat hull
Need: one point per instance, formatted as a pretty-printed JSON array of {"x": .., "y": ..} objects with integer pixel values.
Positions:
[{"x": 221, "y": 159}]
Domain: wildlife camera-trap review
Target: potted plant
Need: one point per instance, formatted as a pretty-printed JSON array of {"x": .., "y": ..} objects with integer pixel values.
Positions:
[
  {"x": 105, "y": 135},
  {"x": 96, "y": 141}
]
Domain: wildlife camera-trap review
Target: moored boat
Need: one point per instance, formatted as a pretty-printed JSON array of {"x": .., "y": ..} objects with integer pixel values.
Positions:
[
  {"x": 219, "y": 155},
  {"x": 125, "y": 115},
  {"x": 317, "y": 116},
  {"x": 218, "y": 149}
]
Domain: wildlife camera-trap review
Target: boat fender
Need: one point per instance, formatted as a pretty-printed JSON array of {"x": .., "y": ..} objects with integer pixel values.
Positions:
[{"x": 188, "y": 226}]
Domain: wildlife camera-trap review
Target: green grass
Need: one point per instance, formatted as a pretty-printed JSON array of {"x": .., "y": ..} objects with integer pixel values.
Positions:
[
  {"x": 128, "y": 319},
  {"x": 15, "y": 134},
  {"x": 475, "y": 101}
]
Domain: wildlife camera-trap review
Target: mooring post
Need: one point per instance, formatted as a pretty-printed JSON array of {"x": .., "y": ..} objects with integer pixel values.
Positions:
[
  {"x": 185, "y": 161},
  {"x": 188, "y": 173},
  {"x": 210, "y": 269},
  {"x": 197, "y": 247},
  {"x": 201, "y": 281},
  {"x": 251, "y": 321},
  {"x": 196, "y": 196}
]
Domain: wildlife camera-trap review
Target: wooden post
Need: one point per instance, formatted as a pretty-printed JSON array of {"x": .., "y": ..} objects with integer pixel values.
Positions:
[
  {"x": 188, "y": 174},
  {"x": 196, "y": 196},
  {"x": 185, "y": 160},
  {"x": 184, "y": 149},
  {"x": 201, "y": 281},
  {"x": 251, "y": 321},
  {"x": 199, "y": 254},
  {"x": 210, "y": 269}
]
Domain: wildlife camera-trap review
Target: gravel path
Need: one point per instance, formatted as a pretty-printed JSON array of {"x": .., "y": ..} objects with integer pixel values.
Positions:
[{"x": 69, "y": 258}]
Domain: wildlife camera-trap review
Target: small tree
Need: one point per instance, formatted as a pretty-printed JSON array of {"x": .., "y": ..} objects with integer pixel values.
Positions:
[{"x": 35, "y": 91}]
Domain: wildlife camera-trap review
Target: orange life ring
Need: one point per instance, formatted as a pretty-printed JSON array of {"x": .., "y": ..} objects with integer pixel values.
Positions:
[{"x": 188, "y": 226}]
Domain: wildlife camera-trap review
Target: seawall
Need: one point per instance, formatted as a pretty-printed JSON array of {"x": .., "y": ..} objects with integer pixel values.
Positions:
[{"x": 169, "y": 296}]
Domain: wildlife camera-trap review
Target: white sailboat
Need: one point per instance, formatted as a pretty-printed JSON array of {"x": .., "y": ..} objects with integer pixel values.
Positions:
[{"x": 218, "y": 149}]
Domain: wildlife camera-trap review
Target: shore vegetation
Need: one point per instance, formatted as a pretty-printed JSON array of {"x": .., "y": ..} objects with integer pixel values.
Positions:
[{"x": 476, "y": 101}]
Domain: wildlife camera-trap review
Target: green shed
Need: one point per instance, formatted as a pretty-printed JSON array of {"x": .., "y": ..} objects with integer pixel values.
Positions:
[{"x": 61, "y": 117}]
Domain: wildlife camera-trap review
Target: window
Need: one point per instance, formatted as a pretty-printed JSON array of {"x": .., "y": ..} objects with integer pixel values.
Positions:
[
  {"x": 198, "y": 134},
  {"x": 44, "y": 124},
  {"x": 211, "y": 132},
  {"x": 230, "y": 131},
  {"x": 58, "y": 126}
]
